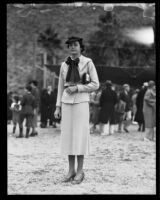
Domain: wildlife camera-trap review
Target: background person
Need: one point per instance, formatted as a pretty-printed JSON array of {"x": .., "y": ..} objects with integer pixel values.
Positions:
[
  {"x": 35, "y": 93},
  {"x": 28, "y": 104},
  {"x": 120, "y": 113},
  {"x": 126, "y": 97},
  {"x": 16, "y": 108},
  {"x": 149, "y": 110},
  {"x": 43, "y": 108},
  {"x": 134, "y": 107},
  {"x": 139, "y": 116},
  {"x": 94, "y": 109},
  {"x": 48, "y": 101},
  {"x": 108, "y": 101}
]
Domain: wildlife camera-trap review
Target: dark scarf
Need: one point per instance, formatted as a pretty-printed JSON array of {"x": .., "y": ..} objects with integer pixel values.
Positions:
[{"x": 73, "y": 73}]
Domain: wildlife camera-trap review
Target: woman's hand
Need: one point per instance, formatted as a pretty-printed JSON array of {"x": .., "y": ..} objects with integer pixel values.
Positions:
[
  {"x": 57, "y": 113},
  {"x": 72, "y": 89}
]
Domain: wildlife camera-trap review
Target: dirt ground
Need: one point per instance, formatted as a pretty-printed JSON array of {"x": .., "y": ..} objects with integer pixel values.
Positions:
[{"x": 118, "y": 164}]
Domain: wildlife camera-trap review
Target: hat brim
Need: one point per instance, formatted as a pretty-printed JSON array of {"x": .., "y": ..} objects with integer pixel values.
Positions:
[{"x": 73, "y": 40}]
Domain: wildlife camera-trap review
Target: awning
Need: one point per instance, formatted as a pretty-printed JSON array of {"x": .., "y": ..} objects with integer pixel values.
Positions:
[{"x": 135, "y": 76}]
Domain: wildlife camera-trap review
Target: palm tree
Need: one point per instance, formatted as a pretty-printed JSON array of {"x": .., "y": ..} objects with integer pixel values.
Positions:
[{"x": 49, "y": 41}]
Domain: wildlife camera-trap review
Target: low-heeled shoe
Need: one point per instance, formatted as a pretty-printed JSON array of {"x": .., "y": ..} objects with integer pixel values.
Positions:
[
  {"x": 78, "y": 178},
  {"x": 67, "y": 179}
]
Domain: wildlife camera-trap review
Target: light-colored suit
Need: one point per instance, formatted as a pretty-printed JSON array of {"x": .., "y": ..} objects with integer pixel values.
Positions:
[
  {"x": 85, "y": 66},
  {"x": 149, "y": 108}
]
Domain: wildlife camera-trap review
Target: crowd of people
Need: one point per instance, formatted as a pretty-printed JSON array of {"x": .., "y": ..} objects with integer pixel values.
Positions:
[
  {"x": 110, "y": 105},
  {"x": 28, "y": 105},
  {"x": 123, "y": 106}
]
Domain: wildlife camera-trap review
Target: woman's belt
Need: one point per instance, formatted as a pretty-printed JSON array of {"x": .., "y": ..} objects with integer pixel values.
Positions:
[{"x": 68, "y": 86}]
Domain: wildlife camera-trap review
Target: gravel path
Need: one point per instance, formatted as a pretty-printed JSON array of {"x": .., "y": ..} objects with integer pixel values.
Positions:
[{"x": 119, "y": 164}]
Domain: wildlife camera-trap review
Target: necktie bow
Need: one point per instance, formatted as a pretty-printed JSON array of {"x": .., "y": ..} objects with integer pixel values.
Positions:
[
  {"x": 72, "y": 62},
  {"x": 73, "y": 73}
]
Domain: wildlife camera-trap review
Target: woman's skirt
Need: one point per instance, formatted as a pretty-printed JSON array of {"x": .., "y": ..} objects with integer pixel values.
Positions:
[{"x": 75, "y": 134}]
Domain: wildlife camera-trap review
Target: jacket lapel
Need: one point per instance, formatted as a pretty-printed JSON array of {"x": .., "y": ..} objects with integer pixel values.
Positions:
[{"x": 83, "y": 61}]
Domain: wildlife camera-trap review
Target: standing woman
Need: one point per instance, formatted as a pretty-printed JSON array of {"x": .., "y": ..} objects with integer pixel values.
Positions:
[
  {"x": 73, "y": 106},
  {"x": 149, "y": 110},
  {"x": 126, "y": 97}
]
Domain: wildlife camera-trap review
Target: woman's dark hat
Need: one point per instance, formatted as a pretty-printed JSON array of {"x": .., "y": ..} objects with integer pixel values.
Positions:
[{"x": 73, "y": 39}]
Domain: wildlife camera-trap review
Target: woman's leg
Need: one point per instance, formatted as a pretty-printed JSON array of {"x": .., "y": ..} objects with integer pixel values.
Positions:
[
  {"x": 80, "y": 174},
  {"x": 101, "y": 128},
  {"x": 127, "y": 122},
  {"x": 120, "y": 127},
  {"x": 14, "y": 127},
  {"x": 80, "y": 159},
  {"x": 121, "y": 117},
  {"x": 71, "y": 173},
  {"x": 139, "y": 126},
  {"x": 111, "y": 128},
  {"x": 71, "y": 159},
  {"x": 152, "y": 134},
  {"x": 143, "y": 127},
  {"x": 148, "y": 130}
]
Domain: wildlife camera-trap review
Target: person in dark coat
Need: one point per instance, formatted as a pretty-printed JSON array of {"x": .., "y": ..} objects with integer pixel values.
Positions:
[
  {"x": 108, "y": 100},
  {"x": 9, "y": 111},
  {"x": 126, "y": 97},
  {"x": 48, "y": 105},
  {"x": 43, "y": 108},
  {"x": 139, "y": 117},
  {"x": 28, "y": 104},
  {"x": 35, "y": 93}
]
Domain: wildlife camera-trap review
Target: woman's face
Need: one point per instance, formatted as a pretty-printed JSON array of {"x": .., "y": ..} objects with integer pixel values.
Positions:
[{"x": 75, "y": 48}]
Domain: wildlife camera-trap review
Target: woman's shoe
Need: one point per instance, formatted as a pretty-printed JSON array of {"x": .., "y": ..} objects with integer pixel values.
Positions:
[
  {"x": 103, "y": 133},
  {"x": 33, "y": 134},
  {"x": 54, "y": 126},
  {"x": 19, "y": 136},
  {"x": 78, "y": 178},
  {"x": 126, "y": 130},
  {"x": 69, "y": 178},
  {"x": 146, "y": 139}
]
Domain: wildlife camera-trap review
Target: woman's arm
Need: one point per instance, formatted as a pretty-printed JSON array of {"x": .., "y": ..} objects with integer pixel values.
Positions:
[
  {"x": 60, "y": 88},
  {"x": 94, "y": 84}
]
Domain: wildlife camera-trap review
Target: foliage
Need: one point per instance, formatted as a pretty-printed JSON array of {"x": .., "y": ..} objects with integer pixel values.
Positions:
[
  {"x": 49, "y": 41},
  {"x": 102, "y": 34},
  {"x": 108, "y": 45}
]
